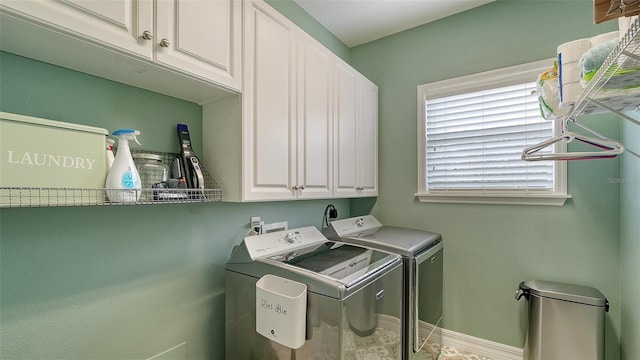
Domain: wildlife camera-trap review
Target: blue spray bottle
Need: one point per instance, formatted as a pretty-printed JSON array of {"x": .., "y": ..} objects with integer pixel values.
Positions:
[{"x": 123, "y": 181}]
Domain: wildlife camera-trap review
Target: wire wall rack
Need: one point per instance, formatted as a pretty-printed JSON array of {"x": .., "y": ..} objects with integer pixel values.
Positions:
[
  {"x": 11, "y": 197},
  {"x": 616, "y": 86}
]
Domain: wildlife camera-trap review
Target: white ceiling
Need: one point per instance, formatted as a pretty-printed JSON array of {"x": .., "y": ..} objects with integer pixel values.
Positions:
[{"x": 356, "y": 22}]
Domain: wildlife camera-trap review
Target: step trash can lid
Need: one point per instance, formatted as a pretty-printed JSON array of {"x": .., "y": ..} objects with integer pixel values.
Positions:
[{"x": 567, "y": 292}]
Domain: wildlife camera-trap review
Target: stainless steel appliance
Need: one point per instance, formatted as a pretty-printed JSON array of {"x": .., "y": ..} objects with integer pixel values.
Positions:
[
  {"x": 422, "y": 259},
  {"x": 352, "y": 294}
]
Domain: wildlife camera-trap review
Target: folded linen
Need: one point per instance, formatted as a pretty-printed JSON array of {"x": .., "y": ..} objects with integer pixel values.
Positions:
[{"x": 593, "y": 58}]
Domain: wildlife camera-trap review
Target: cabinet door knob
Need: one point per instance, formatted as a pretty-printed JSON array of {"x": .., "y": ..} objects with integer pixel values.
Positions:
[
  {"x": 301, "y": 187},
  {"x": 165, "y": 43},
  {"x": 147, "y": 35},
  {"x": 295, "y": 187}
]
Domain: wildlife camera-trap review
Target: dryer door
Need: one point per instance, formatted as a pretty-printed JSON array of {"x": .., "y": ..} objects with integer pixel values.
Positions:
[{"x": 427, "y": 297}]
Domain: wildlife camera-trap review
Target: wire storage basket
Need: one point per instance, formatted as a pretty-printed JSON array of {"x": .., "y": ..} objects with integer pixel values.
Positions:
[{"x": 46, "y": 197}]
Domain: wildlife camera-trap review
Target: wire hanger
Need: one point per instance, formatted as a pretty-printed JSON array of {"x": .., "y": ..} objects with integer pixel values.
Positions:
[{"x": 608, "y": 148}]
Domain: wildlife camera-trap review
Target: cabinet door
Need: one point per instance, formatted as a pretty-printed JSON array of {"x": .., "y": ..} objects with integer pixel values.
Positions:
[
  {"x": 344, "y": 132},
  {"x": 367, "y": 139},
  {"x": 355, "y": 134},
  {"x": 116, "y": 23},
  {"x": 201, "y": 38},
  {"x": 269, "y": 119},
  {"x": 314, "y": 119}
]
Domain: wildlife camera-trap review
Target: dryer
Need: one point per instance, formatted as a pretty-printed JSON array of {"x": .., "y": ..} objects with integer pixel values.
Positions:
[
  {"x": 422, "y": 262},
  {"x": 351, "y": 296}
]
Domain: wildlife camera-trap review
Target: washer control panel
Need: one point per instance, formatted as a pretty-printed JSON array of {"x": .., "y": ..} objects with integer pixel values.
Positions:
[
  {"x": 361, "y": 225},
  {"x": 283, "y": 242}
]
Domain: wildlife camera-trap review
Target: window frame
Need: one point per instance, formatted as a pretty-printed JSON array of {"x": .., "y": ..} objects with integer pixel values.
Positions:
[{"x": 477, "y": 82}]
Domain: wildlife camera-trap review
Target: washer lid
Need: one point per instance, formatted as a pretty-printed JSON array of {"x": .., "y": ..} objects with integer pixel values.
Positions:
[
  {"x": 369, "y": 232},
  {"x": 327, "y": 259},
  {"x": 399, "y": 240},
  {"x": 339, "y": 285},
  {"x": 567, "y": 292}
]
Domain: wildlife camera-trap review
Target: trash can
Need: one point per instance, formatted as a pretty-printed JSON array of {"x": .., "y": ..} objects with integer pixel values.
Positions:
[{"x": 565, "y": 321}]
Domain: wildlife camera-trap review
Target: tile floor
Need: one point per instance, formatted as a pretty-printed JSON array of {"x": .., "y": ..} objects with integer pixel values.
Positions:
[
  {"x": 448, "y": 353},
  {"x": 384, "y": 344}
]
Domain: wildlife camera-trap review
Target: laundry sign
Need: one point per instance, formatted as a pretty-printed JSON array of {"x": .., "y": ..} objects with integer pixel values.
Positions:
[
  {"x": 47, "y": 154},
  {"x": 26, "y": 158},
  {"x": 281, "y": 310}
]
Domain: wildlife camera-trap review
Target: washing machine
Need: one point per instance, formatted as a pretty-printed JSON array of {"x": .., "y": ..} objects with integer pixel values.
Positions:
[
  {"x": 422, "y": 261},
  {"x": 351, "y": 297}
]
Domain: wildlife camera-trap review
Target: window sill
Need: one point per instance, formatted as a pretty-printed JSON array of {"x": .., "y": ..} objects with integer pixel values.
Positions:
[{"x": 494, "y": 198}]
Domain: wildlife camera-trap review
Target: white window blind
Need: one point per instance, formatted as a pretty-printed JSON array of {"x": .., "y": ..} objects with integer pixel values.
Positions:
[
  {"x": 475, "y": 140},
  {"x": 471, "y": 133}
]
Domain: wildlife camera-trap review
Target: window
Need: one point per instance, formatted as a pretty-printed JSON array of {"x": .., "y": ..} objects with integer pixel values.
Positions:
[{"x": 472, "y": 132}]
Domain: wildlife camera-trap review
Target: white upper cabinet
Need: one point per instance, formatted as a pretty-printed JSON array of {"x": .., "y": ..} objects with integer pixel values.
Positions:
[
  {"x": 186, "y": 49},
  {"x": 118, "y": 23},
  {"x": 345, "y": 124},
  {"x": 367, "y": 138},
  {"x": 314, "y": 126},
  {"x": 308, "y": 125},
  {"x": 355, "y": 133},
  {"x": 269, "y": 105},
  {"x": 287, "y": 115},
  {"x": 287, "y": 110},
  {"x": 202, "y": 37}
]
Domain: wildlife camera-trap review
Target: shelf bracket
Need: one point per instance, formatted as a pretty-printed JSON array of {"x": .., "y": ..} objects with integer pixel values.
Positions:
[
  {"x": 631, "y": 55},
  {"x": 608, "y": 108}
]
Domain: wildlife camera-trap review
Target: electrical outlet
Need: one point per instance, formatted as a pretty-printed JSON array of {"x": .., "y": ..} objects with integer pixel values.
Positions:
[{"x": 255, "y": 224}]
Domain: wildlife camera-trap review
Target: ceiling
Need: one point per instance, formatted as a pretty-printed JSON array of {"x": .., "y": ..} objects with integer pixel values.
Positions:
[{"x": 356, "y": 22}]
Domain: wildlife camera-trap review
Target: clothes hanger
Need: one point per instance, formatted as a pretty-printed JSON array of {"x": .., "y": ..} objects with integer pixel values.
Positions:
[{"x": 609, "y": 148}]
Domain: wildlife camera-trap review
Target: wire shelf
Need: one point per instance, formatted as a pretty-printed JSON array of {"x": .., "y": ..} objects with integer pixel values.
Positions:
[
  {"x": 616, "y": 85},
  {"x": 53, "y": 197}
]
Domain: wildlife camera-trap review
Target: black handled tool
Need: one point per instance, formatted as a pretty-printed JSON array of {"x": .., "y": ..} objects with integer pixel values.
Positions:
[{"x": 190, "y": 162}]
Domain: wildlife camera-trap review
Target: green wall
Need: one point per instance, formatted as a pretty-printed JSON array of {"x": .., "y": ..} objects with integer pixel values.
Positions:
[
  {"x": 489, "y": 249},
  {"x": 630, "y": 242},
  {"x": 118, "y": 281},
  {"x": 123, "y": 282}
]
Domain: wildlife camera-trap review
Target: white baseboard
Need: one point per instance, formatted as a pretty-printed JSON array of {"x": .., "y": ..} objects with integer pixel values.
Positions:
[
  {"x": 463, "y": 342},
  {"x": 478, "y": 346}
]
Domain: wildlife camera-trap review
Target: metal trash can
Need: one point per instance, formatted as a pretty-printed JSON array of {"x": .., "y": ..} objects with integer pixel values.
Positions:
[{"x": 565, "y": 321}]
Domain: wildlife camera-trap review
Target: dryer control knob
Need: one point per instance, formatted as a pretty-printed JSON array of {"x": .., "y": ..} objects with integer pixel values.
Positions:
[
  {"x": 290, "y": 238},
  {"x": 360, "y": 222}
]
